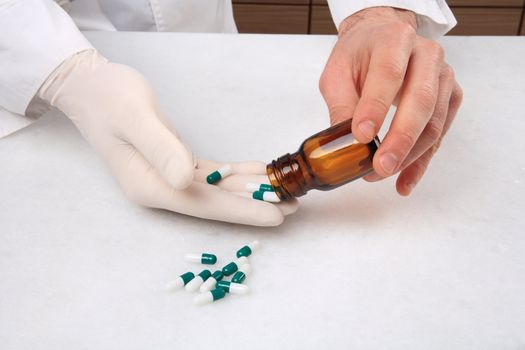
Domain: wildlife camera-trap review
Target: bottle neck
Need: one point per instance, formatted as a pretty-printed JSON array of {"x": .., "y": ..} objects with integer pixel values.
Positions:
[{"x": 289, "y": 177}]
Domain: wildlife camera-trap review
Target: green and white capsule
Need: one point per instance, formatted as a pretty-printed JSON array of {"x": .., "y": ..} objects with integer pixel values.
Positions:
[
  {"x": 266, "y": 196},
  {"x": 209, "y": 297},
  {"x": 233, "y": 288},
  {"x": 180, "y": 282},
  {"x": 248, "y": 249},
  {"x": 195, "y": 283},
  {"x": 204, "y": 258},
  {"x": 219, "y": 174},
  {"x": 241, "y": 274},
  {"x": 210, "y": 283},
  {"x": 253, "y": 187},
  {"x": 232, "y": 267}
]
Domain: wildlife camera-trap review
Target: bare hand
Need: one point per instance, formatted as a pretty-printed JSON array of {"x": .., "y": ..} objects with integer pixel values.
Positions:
[{"x": 378, "y": 61}]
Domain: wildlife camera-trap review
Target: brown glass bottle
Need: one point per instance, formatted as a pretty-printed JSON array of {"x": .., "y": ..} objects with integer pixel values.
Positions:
[{"x": 324, "y": 161}]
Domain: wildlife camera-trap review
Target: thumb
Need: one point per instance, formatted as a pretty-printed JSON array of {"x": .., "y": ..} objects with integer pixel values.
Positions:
[
  {"x": 339, "y": 93},
  {"x": 165, "y": 152}
]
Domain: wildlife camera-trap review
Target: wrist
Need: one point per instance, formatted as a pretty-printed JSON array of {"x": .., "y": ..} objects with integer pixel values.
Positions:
[
  {"x": 378, "y": 14},
  {"x": 77, "y": 66}
]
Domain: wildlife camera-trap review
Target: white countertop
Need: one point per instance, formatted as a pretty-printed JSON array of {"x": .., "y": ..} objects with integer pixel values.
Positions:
[{"x": 356, "y": 268}]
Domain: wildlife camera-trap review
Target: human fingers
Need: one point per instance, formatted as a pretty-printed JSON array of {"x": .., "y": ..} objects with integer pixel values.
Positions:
[
  {"x": 163, "y": 150},
  {"x": 411, "y": 175},
  {"x": 237, "y": 183},
  {"x": 337, "y": 86},
  {"x": 434, "y": 128},
  {"x": 386, "y": 72},
  {"x": 415, "y": 108},
  {"x": 145, "y": 186}
]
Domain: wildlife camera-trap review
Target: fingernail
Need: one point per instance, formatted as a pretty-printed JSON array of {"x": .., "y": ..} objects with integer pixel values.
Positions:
[
  {"x": 368, "y": 129},
  {"x": 372, "y": 177},
  {"x": 410, "y": 186},
  {"x": 388, "y": 162}
]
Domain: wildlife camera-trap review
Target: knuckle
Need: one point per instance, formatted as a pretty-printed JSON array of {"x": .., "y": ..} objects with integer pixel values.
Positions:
[
  {"x": 392, "y": 70},
  {"x": 436, "y": 50},
  {"x": 403, "y": 30},
  {"x": 435, "y": 147},
  {"x": 433, "y": 130},
  {"x": 339, "y": 113},
  {"x": 377, "y": 104},
  {"x": 406, "y": 140},
  {"x": 448, "y": 73},
  {"x": 330, "y": 74},
  {"x": 440, "y": 53},
  {"x": 323, "y": 83},
  {"x": 420, "y": 166},
  {"x": 426, "y": 97},
  {"x": 457, "y": 97}
]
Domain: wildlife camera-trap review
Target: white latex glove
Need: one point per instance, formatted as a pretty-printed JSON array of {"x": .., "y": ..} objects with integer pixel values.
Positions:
[{"x": 116, "y": 110}]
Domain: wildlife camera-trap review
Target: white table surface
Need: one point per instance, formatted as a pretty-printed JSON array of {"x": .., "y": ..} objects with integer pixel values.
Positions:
[{"x": 356, "y": 268}]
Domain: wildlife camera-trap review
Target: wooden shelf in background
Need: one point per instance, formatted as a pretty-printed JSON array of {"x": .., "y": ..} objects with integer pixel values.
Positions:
[
  {"x": 472, "y": 3},
  {"x": 494, "y": 3},
  {"x": 322, "y": 22},
  {"x": 272, "y": 19},
  {"x": 486, "y": 21},
  {"x": 491, "y": 17},
  {"x": 272, "y": 2}
]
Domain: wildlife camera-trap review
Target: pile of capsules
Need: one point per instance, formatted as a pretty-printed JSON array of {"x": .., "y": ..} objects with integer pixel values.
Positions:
[
  {"x": 214, "y": 286},
  {"x": 262, "y": 192}
]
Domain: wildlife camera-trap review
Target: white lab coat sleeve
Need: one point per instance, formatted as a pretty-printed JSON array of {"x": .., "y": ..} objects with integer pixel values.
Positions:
[
  {"x": 35, "y": 37},
  {"x": 434, "y": 17}
]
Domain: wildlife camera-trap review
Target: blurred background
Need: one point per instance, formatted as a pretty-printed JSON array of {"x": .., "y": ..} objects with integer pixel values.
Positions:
[{"x": 475, "y": 17}]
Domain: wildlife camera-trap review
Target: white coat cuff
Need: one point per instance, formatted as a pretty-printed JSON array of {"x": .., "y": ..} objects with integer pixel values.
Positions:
[
  {"x": 434, "y": 17},
  {"x": 36, "y": 36}
]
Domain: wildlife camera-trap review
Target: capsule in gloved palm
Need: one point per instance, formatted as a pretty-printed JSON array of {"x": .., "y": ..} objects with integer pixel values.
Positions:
[
  {"x": 219, "y": 174},
  {"x": 180, "y": 282},
  {"x": 266, "y": 196},
  {"x": 195, "y": 283},
  {"x": 204, "y": 258},
  {"x": 252, "y": 187},
  {"x": 234, "y": 266},
  {"x": 241, "y": 274},
  {"x": 248, "y": 249},
  {"x": 233, "y": 288},
  {"x": 210, "y": 283},
  {"x": 209, "y": 297}
]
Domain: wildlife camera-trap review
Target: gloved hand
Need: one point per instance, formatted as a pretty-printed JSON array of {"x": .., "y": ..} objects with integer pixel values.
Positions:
[{"x": 115, "y": 109}]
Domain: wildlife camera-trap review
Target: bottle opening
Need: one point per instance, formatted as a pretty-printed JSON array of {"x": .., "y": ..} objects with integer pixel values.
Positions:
[{"x": 286, "y": 177}]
